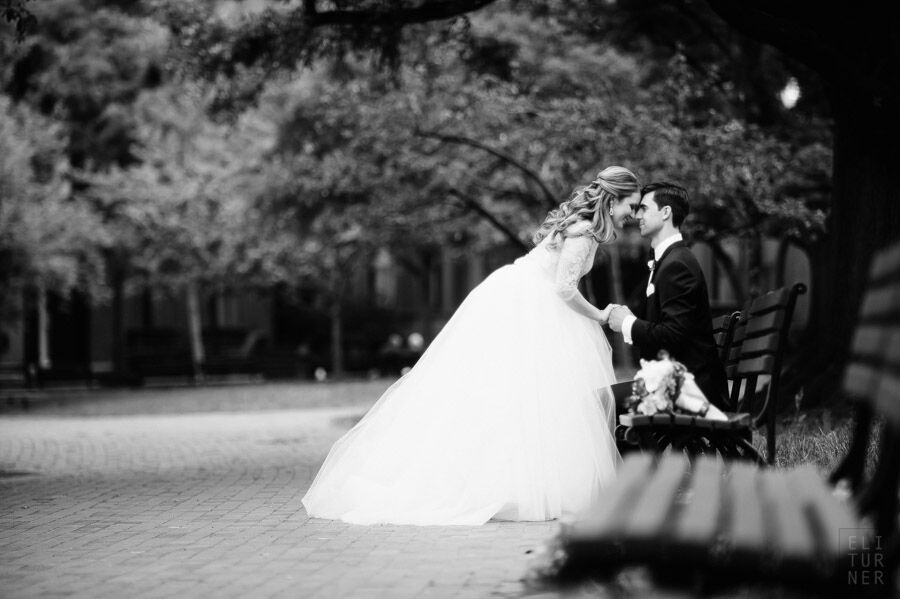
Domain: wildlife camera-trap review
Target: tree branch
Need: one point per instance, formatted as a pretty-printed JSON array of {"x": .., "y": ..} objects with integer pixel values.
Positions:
[
  {"x": 428, "y": 11},
  {"x": 475, "y": 206},
  {"x": 550, "y": 199}
]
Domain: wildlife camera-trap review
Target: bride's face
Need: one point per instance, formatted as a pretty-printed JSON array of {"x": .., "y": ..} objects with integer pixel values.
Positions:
[{"x": 622, "y": 209}]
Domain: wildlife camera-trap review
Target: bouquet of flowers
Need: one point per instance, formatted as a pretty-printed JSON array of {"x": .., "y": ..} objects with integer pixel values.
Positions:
[{"x": 666, "y": 386}]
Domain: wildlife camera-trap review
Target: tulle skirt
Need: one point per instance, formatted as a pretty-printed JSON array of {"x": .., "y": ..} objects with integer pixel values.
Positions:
[{"x": 507, "y": 415}]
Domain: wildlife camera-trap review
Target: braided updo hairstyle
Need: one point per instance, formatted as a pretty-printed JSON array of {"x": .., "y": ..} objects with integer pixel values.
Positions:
[{"x": 591, "y": 203}]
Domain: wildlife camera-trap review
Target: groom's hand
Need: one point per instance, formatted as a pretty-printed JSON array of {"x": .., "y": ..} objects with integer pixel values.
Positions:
[
  {"x": 617, "y": 316},
  {"x": 604, "y": 314}
]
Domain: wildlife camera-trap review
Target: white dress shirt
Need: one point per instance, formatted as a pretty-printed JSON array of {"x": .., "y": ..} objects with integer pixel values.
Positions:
[{"x": 658, "y": 251}]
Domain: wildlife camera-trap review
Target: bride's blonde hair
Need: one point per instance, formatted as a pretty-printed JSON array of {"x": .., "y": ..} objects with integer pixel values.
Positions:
[{"x": 591, "y": 202}]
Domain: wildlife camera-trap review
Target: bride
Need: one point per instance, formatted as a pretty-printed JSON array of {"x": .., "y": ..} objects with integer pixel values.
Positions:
[{"x": 507, "y": 414}]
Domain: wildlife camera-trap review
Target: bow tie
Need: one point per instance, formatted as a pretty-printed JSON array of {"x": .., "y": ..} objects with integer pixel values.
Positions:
[{"x": 651, "y": 264}]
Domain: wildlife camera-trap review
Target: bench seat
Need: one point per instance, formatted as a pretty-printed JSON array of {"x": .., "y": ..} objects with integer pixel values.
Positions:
[{"x": 731, "y": 519}]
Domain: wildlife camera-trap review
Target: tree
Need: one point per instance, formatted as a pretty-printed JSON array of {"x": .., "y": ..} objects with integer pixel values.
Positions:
[
  {"x": 477, "y": 139},
  {"x": 737, "y": 108},
  {"x": 853, "y": 55},
  {"x": 83, "y": 65},
  {"x": 528, "y": 123},
  {"x": 848, "y": 68},
  {"x": 856, "y": 56},
  {"x": 185, "y": 217},
  {"x": 46, "y": 238},
  {"x": 49, "y": 241}
]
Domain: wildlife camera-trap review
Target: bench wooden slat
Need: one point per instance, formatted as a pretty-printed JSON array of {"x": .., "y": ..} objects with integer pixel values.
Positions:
[
  {"x": 764, "y": 344},
  {"x": 760, "y": 365},
  {"x": 746, "y": 529},
  {"x": 764, "y": 323},
  {"x": 885, "y": 262},
  {"x": 633, "y": 420},
  {"x": 791, "y": 527},
  {"x": 606, "y": 519},
  {"x": 887, "y": 398},
  {"x": 651, "y": 511},
  {"x": 773, "y": 300},
  {"x": 697, "y": 523},
  {"x": 892, "y": 353},
  {"x": 736, "y": 420},
  {"x": 830, "y": 513},
  {"x": 720, "y": 323},
  {"x": 877, "y": 302},
  {"x": 868, "y": 341},
  {"x": 683, "y": 420}
]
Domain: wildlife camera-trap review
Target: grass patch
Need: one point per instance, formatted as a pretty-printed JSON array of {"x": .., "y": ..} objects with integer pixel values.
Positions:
[{"x": 820, "y": 437}]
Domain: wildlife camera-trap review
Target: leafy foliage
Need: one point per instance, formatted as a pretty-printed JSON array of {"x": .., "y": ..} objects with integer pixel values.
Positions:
[
  {"x": 46, "y": 237},
  {"x": 478, "y": 126},
  {"x": 478, "y": 138},
  {"x": 185, "y": 212},
  {"x": 83, "y": 66},
  {"x": 16, "y": 12}
]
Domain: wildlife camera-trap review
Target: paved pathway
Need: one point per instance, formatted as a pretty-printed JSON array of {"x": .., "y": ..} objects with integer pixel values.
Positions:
[{"x": 103, "y": 503}]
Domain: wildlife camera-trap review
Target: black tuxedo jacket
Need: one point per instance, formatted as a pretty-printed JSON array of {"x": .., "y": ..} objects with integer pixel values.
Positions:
[{"x": 676, "y": 317}]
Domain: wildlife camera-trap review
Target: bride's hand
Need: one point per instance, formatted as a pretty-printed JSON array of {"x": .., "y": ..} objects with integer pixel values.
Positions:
[{"x": 604, "y": 314}]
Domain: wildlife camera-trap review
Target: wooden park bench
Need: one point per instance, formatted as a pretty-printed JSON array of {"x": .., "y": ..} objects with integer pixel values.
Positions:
[
  {"x": 714, "y": 521},
  {"x": 723, "y": 332},
  {"x": 752, "y": 344}
]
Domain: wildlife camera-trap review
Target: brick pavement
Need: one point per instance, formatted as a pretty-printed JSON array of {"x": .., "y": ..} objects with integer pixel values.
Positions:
[{"x": 207, "y": 504}]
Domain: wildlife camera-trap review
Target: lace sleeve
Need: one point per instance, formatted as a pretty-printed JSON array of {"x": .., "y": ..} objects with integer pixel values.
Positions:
[{"x": 572, "y": 257}]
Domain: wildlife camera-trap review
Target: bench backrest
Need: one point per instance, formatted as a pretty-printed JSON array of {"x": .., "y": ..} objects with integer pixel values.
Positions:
[
  {"x": 723, "y": 332},
  {"x": 872, "y": 381},
  {"x": 758, "y": 344},
  {"x": 873, "y": 372},
  {"x": 760, "y": 341}
]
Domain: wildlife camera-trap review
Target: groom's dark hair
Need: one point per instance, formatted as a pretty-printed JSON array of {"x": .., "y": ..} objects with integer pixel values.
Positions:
[{"x": 669, "y": 194}]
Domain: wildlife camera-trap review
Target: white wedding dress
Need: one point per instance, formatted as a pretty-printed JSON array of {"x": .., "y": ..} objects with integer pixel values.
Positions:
[{"x": 507, "y": 415}]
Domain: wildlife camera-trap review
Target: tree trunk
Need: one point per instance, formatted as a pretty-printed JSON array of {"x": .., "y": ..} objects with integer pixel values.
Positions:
[
  {"x": 337, "y": 339},
  {"x": 43, "y": 326},
  {"x": 865, "y": 217},
  {"x": 119, "y": 348},
  {"x": 195, "y": 330}
]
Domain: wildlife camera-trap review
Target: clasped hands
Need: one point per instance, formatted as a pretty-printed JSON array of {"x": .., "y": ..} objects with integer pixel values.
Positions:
[{"x": 614, "y": 315}]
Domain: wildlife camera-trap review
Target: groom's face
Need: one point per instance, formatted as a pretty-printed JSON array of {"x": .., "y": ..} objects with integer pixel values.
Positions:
[
  {"x": 649, "y": 216},
  {"x": 622, "y": 210}
]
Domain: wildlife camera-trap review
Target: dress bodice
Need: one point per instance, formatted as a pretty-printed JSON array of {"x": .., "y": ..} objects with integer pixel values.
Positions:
[{"x": 566, "y": 260}]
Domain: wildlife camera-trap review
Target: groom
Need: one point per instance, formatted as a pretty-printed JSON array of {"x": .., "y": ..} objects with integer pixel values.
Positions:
[{"x": 676, "y": 315}]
